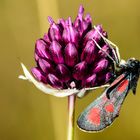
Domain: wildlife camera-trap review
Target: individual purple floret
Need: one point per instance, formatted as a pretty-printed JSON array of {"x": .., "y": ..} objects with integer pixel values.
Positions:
[{"x": 68, "y": 54}]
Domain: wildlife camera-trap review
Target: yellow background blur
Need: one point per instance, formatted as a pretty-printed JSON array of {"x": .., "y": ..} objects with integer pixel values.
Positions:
[{"x": 28, "y": 114}]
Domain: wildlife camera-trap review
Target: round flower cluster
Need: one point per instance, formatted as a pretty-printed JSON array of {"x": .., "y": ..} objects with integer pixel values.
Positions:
[{"x": 68, "y": 54}]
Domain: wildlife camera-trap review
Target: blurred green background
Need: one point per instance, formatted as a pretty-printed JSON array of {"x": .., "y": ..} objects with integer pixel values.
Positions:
[{"x": 28, "y": 114}]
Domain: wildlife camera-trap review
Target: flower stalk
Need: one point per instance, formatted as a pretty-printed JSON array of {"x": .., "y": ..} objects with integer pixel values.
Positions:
[{"x": 71, "y": 114}]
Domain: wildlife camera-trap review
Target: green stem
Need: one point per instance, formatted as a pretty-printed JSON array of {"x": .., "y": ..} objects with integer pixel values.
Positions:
[{"x": 71, "y": 113}]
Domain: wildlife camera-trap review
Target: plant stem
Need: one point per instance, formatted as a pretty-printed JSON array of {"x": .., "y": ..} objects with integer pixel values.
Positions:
[{"x": 71, "y": 113}]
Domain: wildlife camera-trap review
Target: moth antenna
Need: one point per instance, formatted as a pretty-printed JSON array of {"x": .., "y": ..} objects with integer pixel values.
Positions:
[
  {"x": 114, "y": 62},
  {"x": 116, "y": 51},
  {"x": 111, "y": 43},
  {"x": 117, "y": 54}
]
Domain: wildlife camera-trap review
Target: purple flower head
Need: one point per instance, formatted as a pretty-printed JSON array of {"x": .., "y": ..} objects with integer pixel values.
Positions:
[{"x": 68, "y": 54}]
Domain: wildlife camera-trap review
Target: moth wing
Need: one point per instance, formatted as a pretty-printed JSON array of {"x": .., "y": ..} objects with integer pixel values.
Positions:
[{"x": 102, "y": 112}]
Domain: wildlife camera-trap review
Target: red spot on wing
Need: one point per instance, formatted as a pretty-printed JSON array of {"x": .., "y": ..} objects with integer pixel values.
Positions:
[
  {"x": 122, "y": 87},
  {"x": 118, "y": 79},
  {"x": 94, "y": 116},
  {"x": 109, "y": 108}
]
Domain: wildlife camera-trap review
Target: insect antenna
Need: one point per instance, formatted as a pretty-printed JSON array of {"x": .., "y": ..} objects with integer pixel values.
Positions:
[
  {"x": 114, "y": 62},
  {"x": 103, "y": 50},
  {"x": 111, "y": 44}
]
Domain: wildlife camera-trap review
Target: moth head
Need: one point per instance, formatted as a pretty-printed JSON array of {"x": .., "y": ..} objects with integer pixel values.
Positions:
[{"x": 134, "y": 64}]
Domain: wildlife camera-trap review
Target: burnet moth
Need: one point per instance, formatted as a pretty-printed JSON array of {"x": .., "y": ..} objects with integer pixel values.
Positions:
[{"x": 105, "y": 109}]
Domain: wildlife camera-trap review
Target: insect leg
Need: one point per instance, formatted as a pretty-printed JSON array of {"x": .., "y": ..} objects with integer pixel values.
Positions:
[{"x": 133, "y": 84}]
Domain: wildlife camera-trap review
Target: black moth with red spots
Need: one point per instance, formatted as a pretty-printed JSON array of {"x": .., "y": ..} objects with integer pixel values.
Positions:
[{"x": 102, "y": 112}]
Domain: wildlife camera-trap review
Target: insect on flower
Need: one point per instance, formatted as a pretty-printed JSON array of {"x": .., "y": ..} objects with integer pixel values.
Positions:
[
  {"x": 103, "y": 111},
  {"x": 74, "y": 57}
]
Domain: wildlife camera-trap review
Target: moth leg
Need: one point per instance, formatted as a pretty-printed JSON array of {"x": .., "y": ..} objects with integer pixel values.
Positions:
[
  {"x": 134, "y": 84},
  {"x": 134, "y": 88}
]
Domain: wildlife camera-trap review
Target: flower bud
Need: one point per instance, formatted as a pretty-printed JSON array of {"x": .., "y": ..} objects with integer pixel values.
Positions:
[
  {"x": 89, "y": 52},
  {"x": 36, "y": 57},
  {"x": 88, "y": 19},
  {"x": 46, "y": 38},
  {"x": 71, "y": 54},
  {"x": 80, "y": 70},
  {"x": 79, "y": 18},
  {"x": 93, "y": 34},
  {"x": 70, "y": 34},
  {"x": 108, "y": 75},
  {"x": 104, "y": 77},
  {"x": 105, "y": 34},
  {"x": 56, "y": 52},
  {"x": 63, "y": 72},
  {"x": 54, "y": 30},
  {"x": 62, "y": 23},
  {"x": 101, "y": 66},
  {"x": 82, "y": 25},
  {"x": 54, "y": 81},
  {"x": 41, "y": 50},
  {"x": 38, "y": 75},
  {"x": 45, "y": 66},
  {"x": 105, "y": 49},
  {"x": 90, "y": 81}
]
